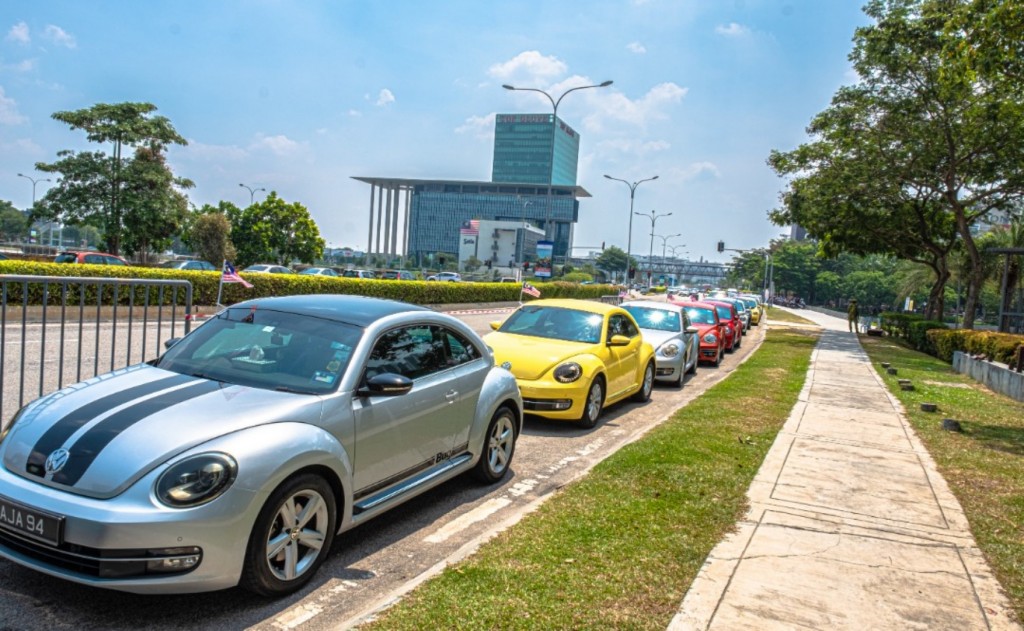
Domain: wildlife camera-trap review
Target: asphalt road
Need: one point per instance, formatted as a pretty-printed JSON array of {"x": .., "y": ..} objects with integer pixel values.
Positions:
[{"x": 373, "y": 564}]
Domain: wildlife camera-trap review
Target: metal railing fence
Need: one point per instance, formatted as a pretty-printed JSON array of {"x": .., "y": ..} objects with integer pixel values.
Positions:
[{"x": 56, "y": 330}]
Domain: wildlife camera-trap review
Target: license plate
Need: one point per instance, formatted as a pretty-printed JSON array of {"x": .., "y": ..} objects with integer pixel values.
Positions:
[{"x": 37, "y": 524}]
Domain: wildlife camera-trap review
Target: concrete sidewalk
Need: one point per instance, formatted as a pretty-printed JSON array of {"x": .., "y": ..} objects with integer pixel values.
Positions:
[{"x": 850, "y": 525}]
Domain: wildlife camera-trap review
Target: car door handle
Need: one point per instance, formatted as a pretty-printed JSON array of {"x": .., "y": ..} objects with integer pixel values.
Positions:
[{"x": 451, "y": 394}]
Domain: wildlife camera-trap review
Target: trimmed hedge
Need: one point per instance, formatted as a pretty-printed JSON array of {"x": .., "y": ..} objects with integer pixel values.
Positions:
[
  {"x": 1000, "y": 347},
  {"x": 204, "y": 285},
  {"x": 911, "y": 328}
]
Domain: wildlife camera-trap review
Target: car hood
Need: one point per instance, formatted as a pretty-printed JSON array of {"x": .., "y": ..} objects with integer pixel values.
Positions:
[
  {"x": 531, "y": 357},
  {"x": 657, "y": 338},
  {"x": 98, "y": 437}
]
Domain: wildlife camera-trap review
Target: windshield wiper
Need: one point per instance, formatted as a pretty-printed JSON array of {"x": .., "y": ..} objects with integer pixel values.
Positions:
[
  {"x": 292, "y": 390},
  {"x": 202, "y": 375}
]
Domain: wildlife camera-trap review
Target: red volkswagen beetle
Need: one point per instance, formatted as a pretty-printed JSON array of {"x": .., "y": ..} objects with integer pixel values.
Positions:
[
  {"x": 704, "y": 316},
  {"x": 733, "y": 329}
]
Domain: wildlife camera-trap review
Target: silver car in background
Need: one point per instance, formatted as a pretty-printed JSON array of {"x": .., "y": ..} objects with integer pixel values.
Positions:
[
  {"x": 236, "y": 457},
  {"x": 667, "y": 328}
]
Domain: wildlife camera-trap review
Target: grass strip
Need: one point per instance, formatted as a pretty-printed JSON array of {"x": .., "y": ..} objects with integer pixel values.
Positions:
[
  {"x": 983, "y": 465},
  {"x": 780, "y": 315},
  {"x": 620, "y": 547}
]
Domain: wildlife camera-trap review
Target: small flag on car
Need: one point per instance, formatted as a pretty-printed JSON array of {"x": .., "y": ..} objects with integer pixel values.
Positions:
[
  {"x": 530, "y": 289},
  {"x": 231, "y": 276}
]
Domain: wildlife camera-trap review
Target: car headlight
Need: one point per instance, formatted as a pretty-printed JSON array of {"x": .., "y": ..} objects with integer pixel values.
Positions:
[
  {"x": 711, "y": 338},
  {"x": 669, "y": 349},
  {"x": 728, "y": 329},
  {"x": 568, "y": 372},
  {"x": 196, "y": 480}
]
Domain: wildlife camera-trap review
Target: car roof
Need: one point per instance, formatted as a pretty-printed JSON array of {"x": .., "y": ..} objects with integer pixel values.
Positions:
[{"x": 358, "y": 310}]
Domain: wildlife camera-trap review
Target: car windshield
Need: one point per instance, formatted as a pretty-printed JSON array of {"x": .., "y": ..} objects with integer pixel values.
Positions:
[
  {"x": 555, "y": 323},
  {"x": 268, "y": 349},
  {"x": 700, "y": 315},
  {"x": 656, "y": 319},
  {"x": 724, "y": 313}
]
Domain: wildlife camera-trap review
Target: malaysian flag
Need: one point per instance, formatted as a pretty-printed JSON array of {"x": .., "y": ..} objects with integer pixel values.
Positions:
[
  {"x": 530, "y": 289},
  {"x": 470, "y": 227},
  {"x": 231, "y": 276}
]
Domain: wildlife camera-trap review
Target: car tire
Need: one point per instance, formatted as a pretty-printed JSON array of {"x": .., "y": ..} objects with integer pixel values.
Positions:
[
  {"x": 594, "y": 403},
  {"x": 646, "y": 386},
  {"x": 285, "y": 571},
  {"x": 718, "y": 358},
  {"x": 739, "y": 341},
  {"x": 498, "y": 448},
  {"x": 693, "y": 369},
  {"x": 678, "y": 383}
]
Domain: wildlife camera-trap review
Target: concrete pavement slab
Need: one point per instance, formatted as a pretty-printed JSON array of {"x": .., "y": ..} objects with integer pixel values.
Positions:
[{"x": 850, "y": 525}]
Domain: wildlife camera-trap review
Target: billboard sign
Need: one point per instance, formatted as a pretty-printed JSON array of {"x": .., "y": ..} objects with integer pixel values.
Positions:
[{"x": 542, "y": 268}]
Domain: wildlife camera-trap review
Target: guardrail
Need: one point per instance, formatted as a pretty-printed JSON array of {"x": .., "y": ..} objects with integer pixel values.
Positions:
[{"x": 55, "y": 330}]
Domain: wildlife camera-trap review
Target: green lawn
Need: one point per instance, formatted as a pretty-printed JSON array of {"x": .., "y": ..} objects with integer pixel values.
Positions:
[
  {"x": 984, "y": 465},
  {"x": 778, "y": 315},
  {"x": 620, "y": 547}
]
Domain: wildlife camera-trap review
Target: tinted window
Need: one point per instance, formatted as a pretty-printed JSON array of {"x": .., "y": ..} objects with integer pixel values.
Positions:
[
  {"x": 460, "y": 350},
  {"x": 66, "y": 258},
  {"x": 413, "y": 352},
  {"x": 95, "y": 259},
  {"x": 621, "y": 325}
]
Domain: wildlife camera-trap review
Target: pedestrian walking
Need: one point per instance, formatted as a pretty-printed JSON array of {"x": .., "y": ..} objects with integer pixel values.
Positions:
[{"x": 852, "y": 315}]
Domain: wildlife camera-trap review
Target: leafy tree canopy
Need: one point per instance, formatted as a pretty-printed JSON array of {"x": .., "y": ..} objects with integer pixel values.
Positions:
[{"x": 274, "y": 231}]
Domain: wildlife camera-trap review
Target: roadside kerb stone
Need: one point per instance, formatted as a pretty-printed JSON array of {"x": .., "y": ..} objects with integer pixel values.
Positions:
[{"x": 850, "y": 524}]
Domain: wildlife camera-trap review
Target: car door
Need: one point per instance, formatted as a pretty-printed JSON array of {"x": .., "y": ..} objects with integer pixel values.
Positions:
[
  {"x": 397, "y": 437},
  {"x": 622, "y": 360},
  {"x": 467, "y": 363}
]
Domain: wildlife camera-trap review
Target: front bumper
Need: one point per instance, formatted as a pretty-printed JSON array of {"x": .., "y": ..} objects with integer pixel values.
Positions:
[
  {"x": 669, "y": 368},
  {"x": 554, "y": 400},
  {"x": 115, "y": 543}
]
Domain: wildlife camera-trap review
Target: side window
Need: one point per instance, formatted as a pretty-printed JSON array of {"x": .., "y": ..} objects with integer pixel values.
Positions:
[
  {"x": 461, "y": 350},
  {"x": 94, "y": 259},
  {"x": 413, "y": 352},
  {"x": 621, "y": 325}
]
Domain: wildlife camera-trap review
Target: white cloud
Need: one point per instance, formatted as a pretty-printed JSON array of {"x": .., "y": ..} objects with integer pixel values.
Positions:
[
  {"x": 321, "y": 131},
  {"x": 25, "y": 65},
  {"x": 636, "y": 47},
  {"x": 528, "y": 65},
  {"x": 9, "y": 114},
  {"x": 478, "y": 126},
  {"x": 19, "y": 34},
  {"x": 634, "y": 146},
  {"x": 213, "y": 153},
  {"x": 732, "y": 29},
  {"x": 616, "y": 106},
  {"x": 385, "y": 98},
  {"x": 280, "y": 145},
  {"x": 23, "y": 147},
  {"x": 354, "y": 113},
  {"x": 698, "y": 171}
]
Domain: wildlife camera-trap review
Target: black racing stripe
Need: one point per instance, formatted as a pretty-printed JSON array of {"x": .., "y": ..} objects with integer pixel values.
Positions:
[
  {"x": 85, "y": 450},
  {"x": 64, "y": 428}
]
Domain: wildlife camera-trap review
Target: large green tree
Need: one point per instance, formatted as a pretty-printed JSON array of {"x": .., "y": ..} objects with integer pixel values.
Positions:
[
  {"x": 101, "y": 190},
  {"x": 911, "y": 157},
  {"x": 13, "y": 222},
  {"x": 276, "y": 231}
]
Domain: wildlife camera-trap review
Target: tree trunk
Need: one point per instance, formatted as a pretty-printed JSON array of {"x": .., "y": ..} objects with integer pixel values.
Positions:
[
  {"x": 937, "y": 295},
  {"x": 976, "y": 276}
]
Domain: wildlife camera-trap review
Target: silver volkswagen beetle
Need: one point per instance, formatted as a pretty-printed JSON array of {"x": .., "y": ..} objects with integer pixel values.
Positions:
[
  {"x": 236, "y": 457},
  {"x": 666, "y": 326}
]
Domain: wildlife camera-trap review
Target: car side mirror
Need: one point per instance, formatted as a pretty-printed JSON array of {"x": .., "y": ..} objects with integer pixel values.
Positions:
[
  {"x": 387, "y": 384},
  {"x": 495, "y": 325},
  {"x": 171, "y": 342},
  {"x": 618, "y": 340},
  {"x": 692, "y": 330}
]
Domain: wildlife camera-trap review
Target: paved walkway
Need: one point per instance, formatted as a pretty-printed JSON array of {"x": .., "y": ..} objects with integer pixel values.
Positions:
[{"x": 850, "y": 525}]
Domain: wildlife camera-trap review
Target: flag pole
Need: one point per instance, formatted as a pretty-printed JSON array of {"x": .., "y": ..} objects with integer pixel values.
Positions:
[{"x": 220, "y": 283}]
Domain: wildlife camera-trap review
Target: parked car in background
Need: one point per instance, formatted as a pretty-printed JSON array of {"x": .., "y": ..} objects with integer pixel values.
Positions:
[
  {"x": 266, "y": 268},
  {"x": 733, "y": 329},
  {"x": 397, "y": 274},
  {"x": 667, "y": 327},
  {"x": 237, "y": 456},
  {"x": 754, "y": 307},
  {"x": 192, "y": 266},
  {"x": 704, "y": 316},
  {"x": 89, "y": 258},
  {"x": 359, "y": 273},
  {"x": 450, "y": 277},
  {"x": 573, "y": 358},
  {"x": 318, "y": 271}
]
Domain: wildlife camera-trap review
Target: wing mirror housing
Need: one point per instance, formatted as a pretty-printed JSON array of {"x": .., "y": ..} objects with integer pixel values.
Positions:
[
  {"x": 388, "y": 384},
  {"x": 171, "y": 342},
  {"x": 692, "y": 330},
  {"x": 495, "y": 325},
  {"x": 618, "y": 340}
]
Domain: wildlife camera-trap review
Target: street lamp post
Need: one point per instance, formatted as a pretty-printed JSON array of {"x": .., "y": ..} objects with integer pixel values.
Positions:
[
  {"x": 632, "y": 193},
  {"x": 554, "y": 123},
  {"x": 49, "y": 240},
  {"x": 252, "y": 192},
  {"x": 664, "y": 243},
  {"x": 653, "y": 216}
]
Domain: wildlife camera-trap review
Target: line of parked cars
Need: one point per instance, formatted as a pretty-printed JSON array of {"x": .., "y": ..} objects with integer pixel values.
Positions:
[{"x": 237, "y": 456}]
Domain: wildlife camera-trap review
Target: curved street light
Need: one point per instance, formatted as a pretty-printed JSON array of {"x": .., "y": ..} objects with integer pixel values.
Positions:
[
  {"x": 653, "y": 216},
  {"x": 554, "y": 122},
  {"x": 664, "y": 242},
  {"x": 632, "y": 193},
  {"x": 35, "y": 181},
  {"x": 252, "y": 192}
]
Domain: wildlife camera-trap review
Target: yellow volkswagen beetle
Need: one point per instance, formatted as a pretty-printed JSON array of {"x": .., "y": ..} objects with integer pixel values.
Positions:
[{"x": 572, "y": 358}]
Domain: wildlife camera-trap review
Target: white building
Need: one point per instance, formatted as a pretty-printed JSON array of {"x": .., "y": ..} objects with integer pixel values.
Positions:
[{"x": 504, "y": 243}]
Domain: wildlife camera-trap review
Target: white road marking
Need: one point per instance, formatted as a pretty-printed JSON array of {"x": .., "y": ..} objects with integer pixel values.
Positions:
[
  {"x": 479, "y": 513},
  {"x": 297, "y": 616}
]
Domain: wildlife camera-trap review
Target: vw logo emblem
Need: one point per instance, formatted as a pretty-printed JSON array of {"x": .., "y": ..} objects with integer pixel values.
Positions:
[
  {"x": 56, "y": 461},
  {"x": 506, "y": 365}
]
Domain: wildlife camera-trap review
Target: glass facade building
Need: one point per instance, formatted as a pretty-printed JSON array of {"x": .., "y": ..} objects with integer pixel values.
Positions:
[{"x": 523, "y": 150}]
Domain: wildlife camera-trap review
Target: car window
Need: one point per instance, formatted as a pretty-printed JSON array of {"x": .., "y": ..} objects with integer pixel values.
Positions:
[
  {"x": 724, "y": 313},
  {"x": 701, "y": 315},
  {"x": 413, "y": 352},
  {"x": 460, "y": 350},
  {"x": 555, "y": 323},
  {"x": 95, "y": 259},
  {"x": 619, "y": 324},
  {"x": 656, "y": 319},
  {"x": 66, "y": 258}
]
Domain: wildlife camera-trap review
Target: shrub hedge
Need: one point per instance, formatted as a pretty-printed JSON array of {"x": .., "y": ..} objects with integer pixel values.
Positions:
[
  {"x": 1000, "y": 347},
  {"x": 911, "y": 328},
  {"x": 204, "y": 285}
]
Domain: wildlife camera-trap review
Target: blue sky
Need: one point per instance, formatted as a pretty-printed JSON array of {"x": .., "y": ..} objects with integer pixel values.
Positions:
[{"x": 298, "y": 97}]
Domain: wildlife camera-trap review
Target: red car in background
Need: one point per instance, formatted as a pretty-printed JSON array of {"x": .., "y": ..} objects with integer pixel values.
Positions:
[
  {"x": 89, "y": 258},
  {"x": 704, "y": 316},
  {"x": 733, "y": 329}
]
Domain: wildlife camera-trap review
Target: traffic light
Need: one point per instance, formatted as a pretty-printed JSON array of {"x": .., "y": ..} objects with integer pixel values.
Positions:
[
  {"x": 488, "y": 263},
  {"x": 440, "y": 260},
  {"x": 721, "y": 246},
  {"x": 632, "y": 273},
  {"x": 602, "y": 246},
  {"x": 526, "y": 266}
]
